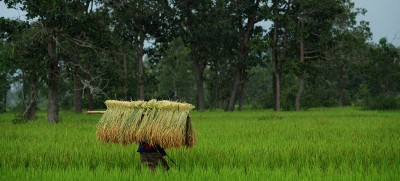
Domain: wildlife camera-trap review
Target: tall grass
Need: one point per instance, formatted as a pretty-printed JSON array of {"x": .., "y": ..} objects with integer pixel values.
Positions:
[{"x": 328, "y": 144}]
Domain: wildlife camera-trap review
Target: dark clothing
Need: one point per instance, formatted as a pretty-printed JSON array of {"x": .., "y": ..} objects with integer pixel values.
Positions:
[
  {"x": 144, "y": 147},
  {"x": 152, "y": 156},
  {"x": 153, "y": 160}
]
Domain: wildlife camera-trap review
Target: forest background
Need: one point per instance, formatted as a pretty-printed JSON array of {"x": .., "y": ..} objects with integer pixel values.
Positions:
[{"x": 213, "y": 54}]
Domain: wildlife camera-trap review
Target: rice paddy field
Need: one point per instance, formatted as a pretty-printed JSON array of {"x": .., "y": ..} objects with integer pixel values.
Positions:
[{"x": 318, "y": 144}]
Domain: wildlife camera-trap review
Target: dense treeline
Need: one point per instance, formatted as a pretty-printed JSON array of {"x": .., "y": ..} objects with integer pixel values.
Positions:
[{"x": 214, "y": 54}]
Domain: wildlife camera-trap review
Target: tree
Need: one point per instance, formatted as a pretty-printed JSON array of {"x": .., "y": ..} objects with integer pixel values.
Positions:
[
  {"x": 280, "y": 13},
  {"x": 311, "y": 23},
  {"x": 189, "y": 25},
  {"x": 7, "y": 29},
  {"x": 54, "y": 18},
  {"x": 3, "y": 79},
  {"x": 88, "y": 37},
  {"x": 203, "y": 27},
  {"x": 22, "y": 54},
  {"x": 29, "y": 52},
  {"x": 247, "y": 14},
  {"x": 136, "y": 22},
  {"x": 175, "y": 74},
  {"x": 348, "y": 53},
  {"x": 383, "y": 69},
  {"x": 343, "y": 50}
]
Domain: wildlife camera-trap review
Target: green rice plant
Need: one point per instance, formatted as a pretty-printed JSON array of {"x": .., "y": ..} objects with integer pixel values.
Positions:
[{"x": 318, "y": 144}]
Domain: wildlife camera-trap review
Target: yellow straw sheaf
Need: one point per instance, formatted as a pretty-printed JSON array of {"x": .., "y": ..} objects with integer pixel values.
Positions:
[{"x": 164, "y": 123}]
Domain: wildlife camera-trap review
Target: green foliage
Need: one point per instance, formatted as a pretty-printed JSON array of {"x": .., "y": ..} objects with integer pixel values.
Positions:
[
  {"x": 321, "y": 95},
  {"x": 382, "y": 69},
  {"x": 175, "y": 74},
  {"x": 9, "y": 29},
  {"x": 258, "y": 89},
  {"x": 19, "y": 118},
  {"x": 288, "y": 96},
  {"x": 382, "y": 102},
  {"x": 320, "y": 144},
  {"x": 102, "y": 46}
]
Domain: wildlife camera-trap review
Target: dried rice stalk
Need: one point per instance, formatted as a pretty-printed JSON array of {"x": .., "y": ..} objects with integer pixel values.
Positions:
[
  {"x": 128, "y": 127},
  {"x": 163, "y": 123},
  {"x": 110, "y": 122}
]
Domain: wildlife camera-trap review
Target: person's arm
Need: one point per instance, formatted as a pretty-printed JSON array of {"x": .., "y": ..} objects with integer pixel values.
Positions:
[{"x": 161, "y": 150}]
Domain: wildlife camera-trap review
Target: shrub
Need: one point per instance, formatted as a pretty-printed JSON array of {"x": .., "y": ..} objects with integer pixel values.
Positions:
[{"x": 382, "y": 102}]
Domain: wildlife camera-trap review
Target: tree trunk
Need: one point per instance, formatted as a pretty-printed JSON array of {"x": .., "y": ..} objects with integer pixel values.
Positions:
[
  {"x": 275, "y": 63},
  {"x": 53, "y": 75},
  {"x": 385, "y": 86},
  {"x": 30, "y": 111},
  {"x": 214, "y": 84},
  {"x": 199, "y": 70},
  {"x": 301, "y": 76},
  {"x": 3, "y": 92},
  {"x": 240, "y": 69},
  {"x": 241, "y": 96},
  {"x": 90, "y": 102},
  {"x": 232, "y": 98},
  {"x": 341, "y": 85},
  {"x": 277, "y": 88},
  {"x": 244, "y": 36},
  {"x": 77, "y": 90},
  {"x": 3, "y": 106},
  {"x": 140, "y": 67},
  {"x": 277, "y": 91},
  {"x": 216, "y": 101},
  {"x": 4, "y": 102},
  {"x": 125, "y": 77},
  {"x": 299, "y": 92}
]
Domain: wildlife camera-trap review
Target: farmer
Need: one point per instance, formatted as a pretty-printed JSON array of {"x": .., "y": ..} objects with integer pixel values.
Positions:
[{"x": 152, "y": 156}]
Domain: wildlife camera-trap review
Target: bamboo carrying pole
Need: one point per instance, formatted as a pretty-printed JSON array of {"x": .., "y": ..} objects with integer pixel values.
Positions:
[
  {"x": 96, "y": 112},
  {"x": 163, "y": 123}
]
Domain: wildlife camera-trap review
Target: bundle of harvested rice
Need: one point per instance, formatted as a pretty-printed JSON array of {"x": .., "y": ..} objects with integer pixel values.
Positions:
[
  {"x": 129, "y": 126},
  {"x": 164, "y": 123},
  {"x": 110, "y": 123}
]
